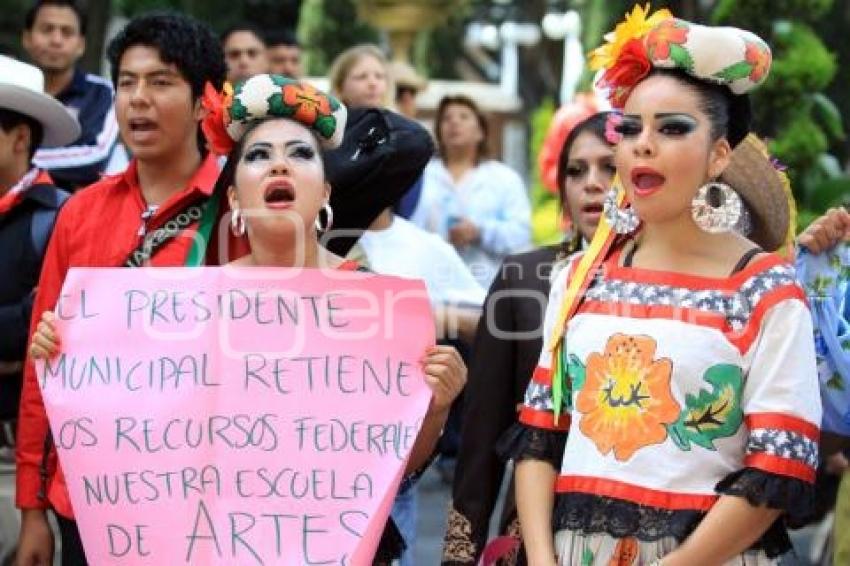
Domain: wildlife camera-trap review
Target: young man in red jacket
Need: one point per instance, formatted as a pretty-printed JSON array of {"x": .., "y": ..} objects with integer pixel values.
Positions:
[{"x": 160, "y": 63}]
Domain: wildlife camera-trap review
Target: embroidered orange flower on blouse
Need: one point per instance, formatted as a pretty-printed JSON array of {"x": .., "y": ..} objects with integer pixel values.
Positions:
[
  {"x": 759, "y": 57},
  {"x": 626, "y": 400},
  {"x": 667, "y": 33},
  {"x": 309, "y": 103}
]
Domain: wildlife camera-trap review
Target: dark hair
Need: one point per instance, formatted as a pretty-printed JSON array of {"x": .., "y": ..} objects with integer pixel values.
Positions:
[
  {"x": 461, "y": 100},
  {"x": 32, "y": 13},
  {"x": 10, "y": 119},
  {"x": 243, "y": 26},
  {"x": 730, "y": 114},
  {"x": 182, "y": 41},
  {"x": 401, "y": 90},
  {"x": 281, "y": 37},
  {"x": 186, "y": 43},
  {"x": 593, "y": 125}
]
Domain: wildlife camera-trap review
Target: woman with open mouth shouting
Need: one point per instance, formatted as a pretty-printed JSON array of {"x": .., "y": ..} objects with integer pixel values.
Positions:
[
  {"x": 273, "y": 130},
  {"x": 676, "y": 393}
]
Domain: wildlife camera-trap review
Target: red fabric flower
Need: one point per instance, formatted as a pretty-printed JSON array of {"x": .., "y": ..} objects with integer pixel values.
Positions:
[
  {"x": 214, "y": 124},
  {"x": 759, "y": 57},
  {"x": 669, "y": 32},
  {"x": 631, "y": 67},
  {"x": 309, "y": 103}
]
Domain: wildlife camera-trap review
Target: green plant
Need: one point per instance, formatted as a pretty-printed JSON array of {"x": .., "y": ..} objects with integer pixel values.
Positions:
[{"x": 546, "y": 217}]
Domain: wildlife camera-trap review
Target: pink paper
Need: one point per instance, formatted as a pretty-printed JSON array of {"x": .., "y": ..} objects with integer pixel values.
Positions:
[{"x": 219, "y": 416}]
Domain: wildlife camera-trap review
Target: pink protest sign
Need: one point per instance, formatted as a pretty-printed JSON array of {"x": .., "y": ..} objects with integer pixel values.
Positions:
[{"x": 235, "y": 416}]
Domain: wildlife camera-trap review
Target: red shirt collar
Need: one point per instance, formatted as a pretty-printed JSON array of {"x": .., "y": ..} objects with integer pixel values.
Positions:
[{"x": 202, "y": 181}]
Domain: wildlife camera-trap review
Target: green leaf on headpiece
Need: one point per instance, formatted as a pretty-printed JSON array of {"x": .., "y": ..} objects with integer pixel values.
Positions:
[
  {"x": 277, "y": 107},
  {"x": 334, "y": 103},
  {"x": 682, "y": 57},
  {"x": 325, "y": 125},
  {"x": 740, "y": 70},
  {"x": 280, "y": 81},
  {"x": 238, "y": 112},
  {"x": 711, "y": 414}
]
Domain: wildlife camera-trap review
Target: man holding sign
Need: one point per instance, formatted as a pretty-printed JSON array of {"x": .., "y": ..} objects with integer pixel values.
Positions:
[{"x": 267, "y": 339}]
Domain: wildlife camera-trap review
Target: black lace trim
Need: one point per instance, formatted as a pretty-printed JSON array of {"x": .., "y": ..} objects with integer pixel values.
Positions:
[
  {"x": 793, "y": 496},
  {"x": 521, "y": 442},
  {"x": 596, "y": 514}
]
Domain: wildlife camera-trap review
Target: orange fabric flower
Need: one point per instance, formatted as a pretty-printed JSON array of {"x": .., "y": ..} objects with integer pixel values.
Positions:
[
  {"x": 631, "y": 67},
  {"x": 309, "y": 103},
  {"x": 669, "y": 32},
  {"x": 626, "y": 400},
  {"x": 759, "y": 57}
]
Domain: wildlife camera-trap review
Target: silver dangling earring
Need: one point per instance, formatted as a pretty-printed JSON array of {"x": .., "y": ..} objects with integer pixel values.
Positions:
[
  {"x": 717, "y": 208},
  {"x": 237, "y": 223},
  {"x": 621, "y": 220},
  {"x": 329, "y": 218}
]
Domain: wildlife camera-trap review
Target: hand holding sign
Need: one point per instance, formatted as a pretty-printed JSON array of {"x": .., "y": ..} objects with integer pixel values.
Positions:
[{"x": 244, "y": 423}]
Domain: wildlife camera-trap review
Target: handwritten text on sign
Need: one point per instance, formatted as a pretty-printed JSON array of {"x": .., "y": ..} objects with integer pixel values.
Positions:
[{"x": 235, "y": 416}]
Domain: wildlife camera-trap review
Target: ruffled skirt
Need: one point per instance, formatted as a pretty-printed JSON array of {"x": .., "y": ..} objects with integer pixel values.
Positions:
[{"x": 574, "y": 548}]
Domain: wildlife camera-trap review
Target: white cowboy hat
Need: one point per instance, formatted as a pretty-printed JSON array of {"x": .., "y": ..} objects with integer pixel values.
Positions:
[{"x": 22, "y": 90}]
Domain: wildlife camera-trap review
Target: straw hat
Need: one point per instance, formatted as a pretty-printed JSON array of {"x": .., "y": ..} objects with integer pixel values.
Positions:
[
  {"x": 766, "y": 191},
  {"x": 406, "y": 76}
]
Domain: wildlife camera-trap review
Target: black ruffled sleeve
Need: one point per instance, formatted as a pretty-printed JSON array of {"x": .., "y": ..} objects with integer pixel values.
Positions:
[
  {"x": 523, "y": 442},
  {"x": 793, "y": 496}
]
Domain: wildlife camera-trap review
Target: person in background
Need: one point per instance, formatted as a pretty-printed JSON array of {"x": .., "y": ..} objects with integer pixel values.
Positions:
[
  {"x": 479, "y": 205},
  {"x": 284, "y": 54},
  {"x": 823, "y": 260},
  {"x": 408, "y": 84},
  {"x": 160, "y": 63},
  {"x": 54, "y": 38},
  {"x": 29, "y": 202},
  {"x": 244, "y": 52},
  {"x": 360, "y": 76},
  {"x": 674, "y": 414},
  {"x": 509, "y": 340}
]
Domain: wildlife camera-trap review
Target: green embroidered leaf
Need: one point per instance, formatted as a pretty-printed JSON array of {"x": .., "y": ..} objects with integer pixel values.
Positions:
[
  {"x": 713, "y": 414},
  {"x": 325, "y": 125},
  {"x": 740, "y": 70},
  {"x": 278, "y": 80},
  {"x": 836, "y": 382},
  {"x": 238, "y": 112},
  {"x": 682, "y": 57},
  {"x": 277, "y": 107},
  {"x": 845, "y": 344},
  {"x": 577, "y": 373},
  {"x": 587, "y": 557}
]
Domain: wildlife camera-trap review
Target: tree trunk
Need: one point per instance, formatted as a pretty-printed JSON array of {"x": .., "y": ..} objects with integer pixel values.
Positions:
[{"x": 97, "y": 12}]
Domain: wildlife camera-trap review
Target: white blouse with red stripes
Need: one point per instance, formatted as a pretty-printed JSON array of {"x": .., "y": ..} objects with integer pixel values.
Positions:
[{"x": 676, "y": 381}]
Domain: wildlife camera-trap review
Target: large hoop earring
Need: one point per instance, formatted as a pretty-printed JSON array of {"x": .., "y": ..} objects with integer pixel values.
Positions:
[
  {"x": 329, "y": 218},
  {"x": 717, "y": 208},
  {"x": 237, "y": 223},
  {"x": 621, "y": 220}
]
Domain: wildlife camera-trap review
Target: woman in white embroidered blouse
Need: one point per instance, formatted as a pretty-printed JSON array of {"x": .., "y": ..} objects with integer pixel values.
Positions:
[{"x": 675, "y": 408}]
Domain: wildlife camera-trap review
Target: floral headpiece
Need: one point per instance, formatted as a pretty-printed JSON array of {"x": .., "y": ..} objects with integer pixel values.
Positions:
[
  {"x": 269, "y": 96},
  {"x": 722, "y": 55}
]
